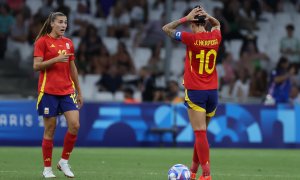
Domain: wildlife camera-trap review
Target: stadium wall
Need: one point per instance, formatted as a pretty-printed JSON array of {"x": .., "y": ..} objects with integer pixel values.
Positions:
[{"x": 146, "y": 125}]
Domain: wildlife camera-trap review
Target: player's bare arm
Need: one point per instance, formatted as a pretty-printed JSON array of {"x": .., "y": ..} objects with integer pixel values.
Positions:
[
  {"x": 40, "y": 65},
  {"x": 170, "y": 28},
  {"x": 213, "y": 21},
  {"x": 74, "y": 76}
]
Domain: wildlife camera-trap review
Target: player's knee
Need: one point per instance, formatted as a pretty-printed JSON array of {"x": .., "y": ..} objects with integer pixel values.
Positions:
[{"x": 74, "y": 127}]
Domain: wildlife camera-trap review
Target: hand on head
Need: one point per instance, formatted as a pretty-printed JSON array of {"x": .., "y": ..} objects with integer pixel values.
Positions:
[{"x": 197, "y": 11}]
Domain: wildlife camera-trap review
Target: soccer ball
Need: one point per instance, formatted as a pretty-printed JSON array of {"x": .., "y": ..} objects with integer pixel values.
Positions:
[{"x": 179, "y": 172}]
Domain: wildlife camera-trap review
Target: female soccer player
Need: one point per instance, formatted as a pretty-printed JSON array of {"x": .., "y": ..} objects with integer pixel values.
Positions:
[
  {"x": 58, "y": 87},
  {"x": 200, "y": 79}
]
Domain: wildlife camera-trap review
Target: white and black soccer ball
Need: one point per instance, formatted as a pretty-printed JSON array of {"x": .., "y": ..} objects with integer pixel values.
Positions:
[{"x": 179, "y": 172}]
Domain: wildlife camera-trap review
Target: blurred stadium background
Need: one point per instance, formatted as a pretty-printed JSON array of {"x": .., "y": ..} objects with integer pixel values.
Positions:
[{"x": 131, "y": 73}]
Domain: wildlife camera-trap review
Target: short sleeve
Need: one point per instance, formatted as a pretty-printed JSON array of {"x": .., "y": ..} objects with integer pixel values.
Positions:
[
  {"x": 39, "y": 48},
  {"x": 72, "y": 58},
  {"x": 186, "y": 37}
]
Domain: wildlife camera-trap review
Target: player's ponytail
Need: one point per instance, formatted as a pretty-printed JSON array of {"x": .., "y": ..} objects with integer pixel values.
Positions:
[{"x": 47, "y": 24}]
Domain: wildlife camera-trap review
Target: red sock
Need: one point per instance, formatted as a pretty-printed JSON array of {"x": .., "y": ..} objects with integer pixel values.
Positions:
[
  {"x": 202, "y": 151},
  {"x": 195, "y": 163},
  {"x": 69, "y": 143},
  {"x": 47, "y": 147}
]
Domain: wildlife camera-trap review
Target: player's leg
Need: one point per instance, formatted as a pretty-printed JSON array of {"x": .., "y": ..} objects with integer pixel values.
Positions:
[
  {"x": 69, "y": 108},
  {"x": 211, "y": 107},
  {"x": 72, "y": 118},
  {"x": 47, "y": 146},
  {"x": 195, "y": 162},
  {"x": 47, "y": 107},
  {"x": 196, "y": 103},
  {"x": 198, "y": 122}
]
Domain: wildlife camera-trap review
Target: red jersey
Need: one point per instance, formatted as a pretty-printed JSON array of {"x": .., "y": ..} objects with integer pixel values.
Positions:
[
  {"x": 56, "y": 79},
  {"x": 200, "y": 62}
]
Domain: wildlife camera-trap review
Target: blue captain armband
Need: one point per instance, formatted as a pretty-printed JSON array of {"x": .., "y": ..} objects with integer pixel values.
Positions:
[{"x": 177, "y": 35}]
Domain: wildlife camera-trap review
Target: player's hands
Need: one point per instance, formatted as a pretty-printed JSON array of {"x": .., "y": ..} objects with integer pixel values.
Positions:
[
  {"x": 193, "y": 13},
  {"x": 292, "y": 71},
  {"x": 63, "y": 57},
  {"x": 79, "y": 100}
]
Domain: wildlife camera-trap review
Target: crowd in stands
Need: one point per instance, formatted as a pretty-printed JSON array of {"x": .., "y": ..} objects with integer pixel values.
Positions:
[{"x": 120, "y": 45}]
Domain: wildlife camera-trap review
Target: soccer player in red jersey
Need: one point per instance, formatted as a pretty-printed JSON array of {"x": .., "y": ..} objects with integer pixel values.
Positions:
[
  {"x": 200, "y": 79},
  {"x": 58, "y": 87}
]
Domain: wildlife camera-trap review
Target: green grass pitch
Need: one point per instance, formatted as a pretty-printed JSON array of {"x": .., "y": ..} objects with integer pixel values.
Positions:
[{"x": 152, "y": 163}]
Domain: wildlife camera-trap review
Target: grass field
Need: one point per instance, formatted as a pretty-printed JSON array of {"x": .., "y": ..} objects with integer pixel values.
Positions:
[{"x": 152, "y": 164}]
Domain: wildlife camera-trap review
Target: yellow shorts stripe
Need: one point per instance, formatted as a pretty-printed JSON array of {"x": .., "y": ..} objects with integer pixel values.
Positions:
[
  {"x": 39, "y": 99},
  {"x": 212, "y": 113},
  {"x": 192, "y": 105}
]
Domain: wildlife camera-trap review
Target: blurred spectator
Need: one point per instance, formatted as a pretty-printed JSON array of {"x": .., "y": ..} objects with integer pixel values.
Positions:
[
  {"x": 118, "y": 21},
  {"x": 110, "y": 81},
  {"x": 155, "y": 63},
  {"x": 92, "y": 40},
  {"x": 80, "y": 19},
  {"x": 248, "y": 16},
  {"x": 270, "y": 5},
  {"x": 123, "y": 61},
  {"x": 138, "y": 12},
  {"x": 128, "y": 96},
  {"x": 240, "y": 90},
  {"x": 82, "y": 62},
  {"x": 290, "y": 45},
  {"x": 159, "y": 95},
  {"x": 61, "y": 7},
  {"x": 146, "y": 84},
  {"x": 172, "y": 93},
  {"x": 15, "y": 5},
  {"x": 19, "y": 6},
  {"x": 94, "y": 51},
  {"x": 34, "y": 28},
  {"x": 101, "y": 62},
  {"x": 5, "y": 26},
  {"x": 17, "y": 42},
  {"x": 280, "y": 84},
  {"x": 226, "y": 72},
  {"x": 294, "y": 95},
  {"x": 99, "y": 10},
  {"x": 232, "y": 15},
  {"x": 258, "y": 83},
  {"x": 159, "y": 4},
  {"x": 152, "y": 34},
  {"x": 251, "y": 58},
  {"x": 46, "y": 9}
]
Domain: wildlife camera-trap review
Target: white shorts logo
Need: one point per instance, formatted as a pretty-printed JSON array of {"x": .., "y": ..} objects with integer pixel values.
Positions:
[
  {"x": 68, "y": 45},
  {"x": 46, "y": 110}
]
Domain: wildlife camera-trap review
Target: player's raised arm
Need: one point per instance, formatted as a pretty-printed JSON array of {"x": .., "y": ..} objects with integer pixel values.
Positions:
[
  {"x": 213, "y": 21},
  {"x": 170, "y": 28}
]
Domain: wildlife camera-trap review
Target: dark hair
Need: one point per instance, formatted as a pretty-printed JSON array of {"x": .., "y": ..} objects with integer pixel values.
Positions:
[
  {"x": 47, "y": 24},
  {"x": 282, "y": 60},
  {"x": 129, "y": 91},
  {"x": 200, "y": 20},
  {"x": 290, "y": 27}
]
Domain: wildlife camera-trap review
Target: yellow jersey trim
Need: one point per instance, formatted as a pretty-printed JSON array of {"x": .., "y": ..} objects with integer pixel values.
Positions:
[
  {"x": 39, "y": 99},
  {"x": 41, "y": 93},
  {"x": 190, "y": 58}
]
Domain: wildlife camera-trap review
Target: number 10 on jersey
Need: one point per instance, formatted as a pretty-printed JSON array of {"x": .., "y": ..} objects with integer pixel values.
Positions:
[{"x": 204, "y": 61}]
